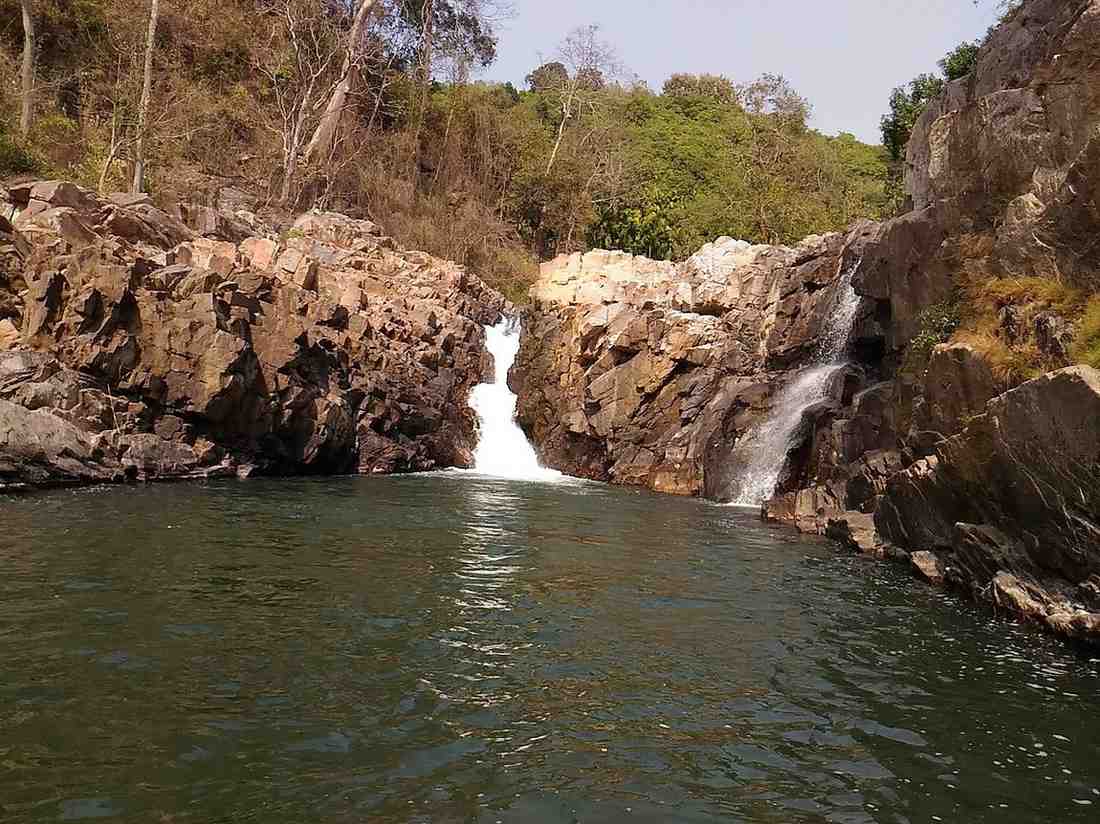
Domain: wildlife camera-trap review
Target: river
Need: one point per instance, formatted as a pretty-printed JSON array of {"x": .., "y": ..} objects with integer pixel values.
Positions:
[{"x": 452, "y": 648}]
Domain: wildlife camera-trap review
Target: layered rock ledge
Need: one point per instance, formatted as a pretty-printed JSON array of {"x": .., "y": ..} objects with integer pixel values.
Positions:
[{"x": 135, "y": 345}]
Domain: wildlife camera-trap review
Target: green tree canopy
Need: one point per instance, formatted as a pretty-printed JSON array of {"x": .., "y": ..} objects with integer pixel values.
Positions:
[
  {"x": 906, "y": 105},
  {"x": 960, "y": 61}
]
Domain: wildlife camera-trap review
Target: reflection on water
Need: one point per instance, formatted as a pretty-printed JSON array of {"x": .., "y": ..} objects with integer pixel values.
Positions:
[{"x": 455, "y": 648}]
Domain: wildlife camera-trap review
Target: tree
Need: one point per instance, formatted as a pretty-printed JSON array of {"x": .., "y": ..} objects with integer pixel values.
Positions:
[
  {"x": 27, "y": 108},
  {"x": 587, "y": 60},
  {"x": 324, "y": 136},
  {"x": 302, "y": 53},
  {"x": 961, "y": 61},
  {"x": 906, "y": 106},
  {"x": 146, "y": 93},
  {"x": 548, "y": 77},
  {"x": 771, "y": 94},
  {"x": 718, "y": 88}
]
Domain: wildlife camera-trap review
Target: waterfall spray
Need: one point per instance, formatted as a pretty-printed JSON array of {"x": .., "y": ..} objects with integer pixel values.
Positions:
[
  {"x": 503, "y": 450},
  {"x": 764, "y": 449}
]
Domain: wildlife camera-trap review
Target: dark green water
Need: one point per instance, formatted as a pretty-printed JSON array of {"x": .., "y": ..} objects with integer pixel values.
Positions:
[{"x": 448, "y": 649}]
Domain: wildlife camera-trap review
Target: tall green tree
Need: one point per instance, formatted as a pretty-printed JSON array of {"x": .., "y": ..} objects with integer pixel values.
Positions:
[
  {"x": 960, "y": 61},
  {"x": 714, "y": 87}
]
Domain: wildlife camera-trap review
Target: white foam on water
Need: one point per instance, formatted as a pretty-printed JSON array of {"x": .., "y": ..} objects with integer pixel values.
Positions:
[{"x": 503, "y": 450}]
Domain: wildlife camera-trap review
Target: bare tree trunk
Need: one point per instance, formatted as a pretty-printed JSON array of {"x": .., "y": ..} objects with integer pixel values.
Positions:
[
  {"x": 446, "y": 140},
  {"x": 112, "y": 154},
  {"x": 27, "y": 112},
  {"x": 566, "y": 113},
  {"x": 146, "y": 93},
  {"x": 423, "y": 81},
  {"x": 290, "y": 167},
  {"x": 325, "y": 134}
]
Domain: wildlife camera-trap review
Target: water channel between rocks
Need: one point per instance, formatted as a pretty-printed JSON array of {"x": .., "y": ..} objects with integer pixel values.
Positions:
[{"x": 452, "y": 648}]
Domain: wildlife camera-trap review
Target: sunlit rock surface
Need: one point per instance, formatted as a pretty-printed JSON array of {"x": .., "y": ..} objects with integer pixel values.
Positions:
[{"x": 133, "y": 346}]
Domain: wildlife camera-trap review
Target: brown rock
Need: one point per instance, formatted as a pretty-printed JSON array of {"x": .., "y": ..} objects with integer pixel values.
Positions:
[
  {"x": 1030, "y": 465},
  {"x": 646, "y": 372},
  {"x": 957, "y": 386},
  {"x": 40, "y": 448},
  {"x": 156, "y": 358},
  {"x": 929, "y": 566},
  {"x": 855, "y": 530}
]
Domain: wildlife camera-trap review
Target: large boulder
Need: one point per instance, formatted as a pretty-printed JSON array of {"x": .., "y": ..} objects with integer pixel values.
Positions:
[
  {"x": 957, "y": 385},
  {"x": 1028, "y": 468}
]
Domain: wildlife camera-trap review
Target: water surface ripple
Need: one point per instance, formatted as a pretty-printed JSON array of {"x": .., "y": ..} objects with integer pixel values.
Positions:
[{"x": 457, "y": 649}]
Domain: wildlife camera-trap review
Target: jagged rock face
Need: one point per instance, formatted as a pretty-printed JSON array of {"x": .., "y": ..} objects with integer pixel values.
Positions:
[
  {"x": 1020, "y": 120},
  {"x": 646, "y": 373},
  {"x": 146, "y": 350},
  {"x": 1012, "y": 150},
  {"x": 14, "y": 251},
  {"x": 957, "y": 385},
  {"x": 1016, "y": 493}
]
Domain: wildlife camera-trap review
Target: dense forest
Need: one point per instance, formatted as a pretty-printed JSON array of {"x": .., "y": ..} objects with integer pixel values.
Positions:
[{"x": 369, "y": 108}]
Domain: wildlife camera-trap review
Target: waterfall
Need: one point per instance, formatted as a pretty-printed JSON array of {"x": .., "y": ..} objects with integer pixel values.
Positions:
[
  {"x": 503, "y": 450},
  {"x": 765, "y": 448}
]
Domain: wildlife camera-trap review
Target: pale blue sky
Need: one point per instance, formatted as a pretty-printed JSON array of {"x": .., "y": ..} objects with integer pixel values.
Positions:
[{"x": 844, "y": 55}]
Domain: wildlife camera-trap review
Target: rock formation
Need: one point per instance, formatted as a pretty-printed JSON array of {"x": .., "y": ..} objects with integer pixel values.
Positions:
[
  {"x": 646, "y": 373},
  {"x": 658, "y": 375},
  {"x": 134, "y": 344}
]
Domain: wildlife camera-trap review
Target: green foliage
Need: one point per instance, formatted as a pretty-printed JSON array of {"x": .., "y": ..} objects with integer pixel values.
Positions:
[
  {"x": 906, "y": 106},
  {"x": 66, "y": 29},
  {"x": 456, "y": 25},
  {"x": 715, "y": 88},
  {"x": 646, "y": 227},
  {"x": 960, "y": 61},
  {"x": 14, "y": 159},
  {"x": 907, "y": 103},
  {"x": 707, "y": 168},
  {"x": 1087, "y": 344},
  {"x": 937, "y": 324},
  {"x": 480, "y": 173},
  {"x": 548, "y": 77}
]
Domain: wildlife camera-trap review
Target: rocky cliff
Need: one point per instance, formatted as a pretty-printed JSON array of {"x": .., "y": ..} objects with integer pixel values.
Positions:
[
  {"x": 647, "y": 373},
  {"x": 984, "y": 477},
  {"x": 135, "y": 344}
]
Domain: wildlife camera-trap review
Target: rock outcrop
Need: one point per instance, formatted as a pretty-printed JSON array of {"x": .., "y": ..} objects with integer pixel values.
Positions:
[
  {"x": 1016, "y": 493},
  {"x": 646, "y": 373},
  {"x": 1010, "y": 152},
  {"x": 135, "y": 346}
]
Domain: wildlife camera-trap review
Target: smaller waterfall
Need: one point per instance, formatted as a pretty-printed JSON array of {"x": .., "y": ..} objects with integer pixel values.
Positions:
[
  {"x": 764, "y": 450},
  {"x": 503, "y": 450}
]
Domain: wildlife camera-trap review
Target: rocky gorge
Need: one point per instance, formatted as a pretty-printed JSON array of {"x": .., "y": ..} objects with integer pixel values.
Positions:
[
  {"x": 674, "y": 376},
  {"x": 143, "y": 341}
]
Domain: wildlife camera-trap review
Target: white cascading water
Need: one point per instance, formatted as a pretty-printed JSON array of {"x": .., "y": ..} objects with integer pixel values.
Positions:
[
  {"x": 765, "y": 449},
  {"x": 503, "y": 450}
]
